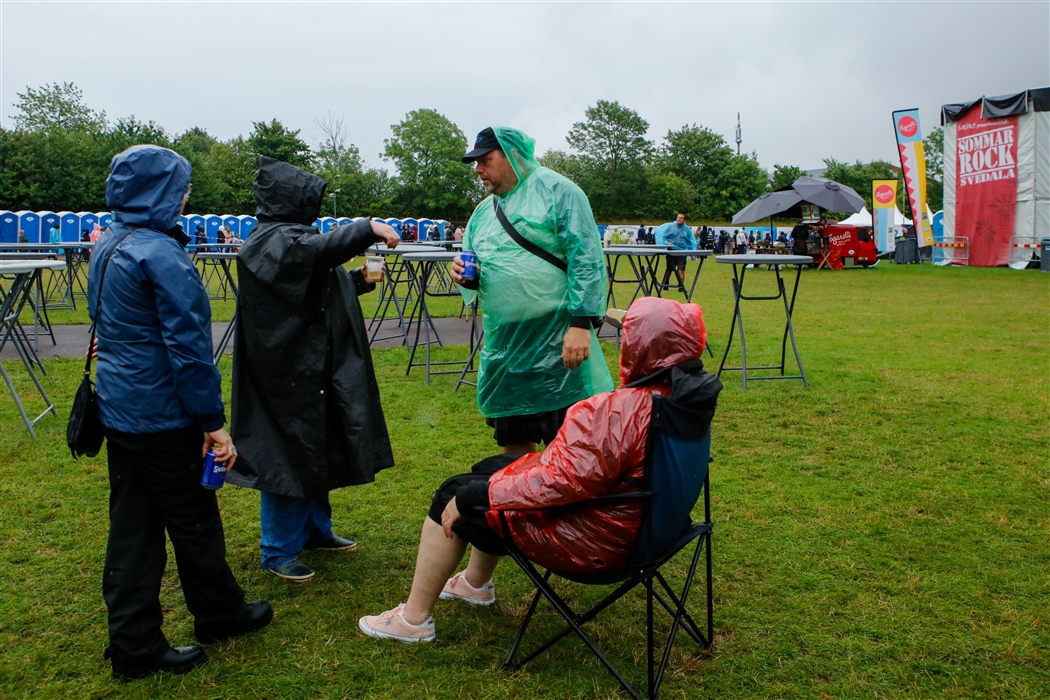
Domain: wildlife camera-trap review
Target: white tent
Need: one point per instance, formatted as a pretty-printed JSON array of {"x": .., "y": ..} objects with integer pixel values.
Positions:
[{"x": 861, "y": 218}]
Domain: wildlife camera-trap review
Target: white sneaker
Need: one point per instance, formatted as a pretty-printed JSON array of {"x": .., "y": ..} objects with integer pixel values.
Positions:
[
  {"x": 393, "y": 625},
  {"x": 457, "y": 588}
]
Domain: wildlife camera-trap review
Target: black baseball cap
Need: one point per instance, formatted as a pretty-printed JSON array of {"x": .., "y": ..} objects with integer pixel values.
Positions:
[{"x": 485, "y": 142}]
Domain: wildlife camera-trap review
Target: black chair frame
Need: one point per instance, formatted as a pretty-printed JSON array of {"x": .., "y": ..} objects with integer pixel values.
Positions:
[{"x": 647, "y": 575}]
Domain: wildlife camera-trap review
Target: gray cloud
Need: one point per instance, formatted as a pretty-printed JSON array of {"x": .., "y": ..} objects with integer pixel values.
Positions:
[{"x": 811, "y": 79}]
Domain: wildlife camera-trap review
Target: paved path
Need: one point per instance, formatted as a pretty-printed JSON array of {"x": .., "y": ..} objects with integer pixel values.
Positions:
[{"x": 71, "y": 341}]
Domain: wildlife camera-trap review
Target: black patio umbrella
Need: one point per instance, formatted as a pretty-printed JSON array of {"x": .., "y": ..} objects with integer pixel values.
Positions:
[
  {"x": 768, "y": 205},
  {"x": 828, "y": 194}
]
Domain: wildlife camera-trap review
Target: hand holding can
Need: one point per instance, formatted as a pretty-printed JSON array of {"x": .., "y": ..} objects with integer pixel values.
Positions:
[
  {"x": 470, "y": 264},
  {"x": 214, "y": 474}
]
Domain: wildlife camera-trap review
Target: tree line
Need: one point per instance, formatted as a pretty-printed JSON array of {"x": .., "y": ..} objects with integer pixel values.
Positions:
[{"x": 56, "y": 157}]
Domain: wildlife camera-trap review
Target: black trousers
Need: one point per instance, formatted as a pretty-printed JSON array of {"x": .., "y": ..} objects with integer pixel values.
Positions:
[{"x": 154, "y": 485}]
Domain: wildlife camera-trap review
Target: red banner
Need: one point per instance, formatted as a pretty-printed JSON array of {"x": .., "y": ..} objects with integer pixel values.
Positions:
[{"x": 986, "y": 186}]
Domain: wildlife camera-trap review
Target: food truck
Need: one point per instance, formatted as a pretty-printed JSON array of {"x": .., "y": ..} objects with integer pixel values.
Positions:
[{"x": 841, "y": 245}]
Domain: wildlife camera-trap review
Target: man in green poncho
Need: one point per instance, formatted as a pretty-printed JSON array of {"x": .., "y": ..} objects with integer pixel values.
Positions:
[{"x": 540, "y": 307}]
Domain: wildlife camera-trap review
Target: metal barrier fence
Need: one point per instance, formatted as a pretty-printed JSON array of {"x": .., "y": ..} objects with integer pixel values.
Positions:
[
  {"x": 951, "y": 250},
  {"x": 1022, "y": 250}
]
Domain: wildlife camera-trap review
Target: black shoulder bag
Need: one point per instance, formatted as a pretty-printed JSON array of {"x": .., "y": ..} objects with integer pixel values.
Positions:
[
  {"x": 84, "y": 431},
  {"x": 525, "y": 243}
]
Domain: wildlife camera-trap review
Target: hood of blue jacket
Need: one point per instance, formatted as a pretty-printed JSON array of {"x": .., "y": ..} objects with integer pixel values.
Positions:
[{"x": 146, "y": 185}]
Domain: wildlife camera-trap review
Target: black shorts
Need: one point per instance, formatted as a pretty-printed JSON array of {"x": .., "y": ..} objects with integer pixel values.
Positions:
[
  {"x": 676, "y": 262},
  {"x": 474, "y": 528},
  {"x": 533, "y": 427}
]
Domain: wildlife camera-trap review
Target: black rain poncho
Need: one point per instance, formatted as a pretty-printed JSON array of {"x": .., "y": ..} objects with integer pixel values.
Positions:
[{"x": 306, "y": 412}]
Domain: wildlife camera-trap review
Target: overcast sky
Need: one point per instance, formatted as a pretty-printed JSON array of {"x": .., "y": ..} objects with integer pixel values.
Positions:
[{"x": 810, "y": 80}]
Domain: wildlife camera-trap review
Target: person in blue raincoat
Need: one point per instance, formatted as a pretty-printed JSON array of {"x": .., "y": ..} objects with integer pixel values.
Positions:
[
  {"x": 160, "y": 403},
  {"x": 680, "y": 237}
]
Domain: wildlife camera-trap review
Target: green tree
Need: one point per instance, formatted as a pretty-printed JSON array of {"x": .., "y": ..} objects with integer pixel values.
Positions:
[
  {"x": 784, "y": 176},
  {"x": 700, "y": 156},
  {"x": 274, "y": 140},
  {"x": 670, "y": 194},
  {"x": 56, "y": 107},
  {"x": 859, "y": 176},
  {"x": 431, "y": 180},
  {"x": 232, "y": 164},
  {"x": 563, "y": 163},
  {"x": 740, "y": 182},
  {"x": 933, "y": 146},
  {"x": 195, "y": 140},
  {"x": 613, "y": 153}
]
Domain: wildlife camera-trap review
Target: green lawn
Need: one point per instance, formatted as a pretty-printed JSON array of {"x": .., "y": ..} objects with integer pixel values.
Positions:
[{"x": 883, "y": 533}]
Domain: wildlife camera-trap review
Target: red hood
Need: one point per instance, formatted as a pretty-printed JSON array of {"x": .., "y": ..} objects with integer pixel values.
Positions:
[{"x": 659, "y": 333}]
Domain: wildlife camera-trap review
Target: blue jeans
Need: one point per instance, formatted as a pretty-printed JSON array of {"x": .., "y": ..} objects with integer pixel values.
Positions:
[{"x": 291, "y": 524}]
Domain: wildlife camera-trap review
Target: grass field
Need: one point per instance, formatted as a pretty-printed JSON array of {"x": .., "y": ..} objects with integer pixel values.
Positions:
[{"x": 883, "y": 533}]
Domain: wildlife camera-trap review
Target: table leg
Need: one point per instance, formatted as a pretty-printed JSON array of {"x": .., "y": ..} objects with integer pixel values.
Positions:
[
  {"x": 641, "y": 285},
  {"x": 689, "y": 297},
  {"x": 737, "y": 290},
  {"x": 13, "y": 303},
  {"x": 789, "y": 328},
  {"x": 476, "y": 340},
  {"x": 388, "y": 295}
]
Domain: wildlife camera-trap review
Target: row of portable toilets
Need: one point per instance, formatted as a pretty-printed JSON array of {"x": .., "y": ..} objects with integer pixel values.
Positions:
[{"x": 37, "y": 225}]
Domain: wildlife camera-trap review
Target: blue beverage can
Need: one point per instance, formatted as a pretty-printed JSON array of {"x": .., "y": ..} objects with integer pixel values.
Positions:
[
  {"x": 470, "y": 264},
  {"x": 214, "y": 475}
]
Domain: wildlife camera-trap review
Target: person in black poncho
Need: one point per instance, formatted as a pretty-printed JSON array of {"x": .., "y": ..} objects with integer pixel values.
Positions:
[{"x": 305, "y": 403}]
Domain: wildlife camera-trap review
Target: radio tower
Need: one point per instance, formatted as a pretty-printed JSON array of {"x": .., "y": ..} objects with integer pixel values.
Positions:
[{"x": 739, "y": 134}]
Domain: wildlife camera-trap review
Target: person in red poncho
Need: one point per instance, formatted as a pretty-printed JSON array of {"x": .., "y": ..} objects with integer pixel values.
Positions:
[{"x": 599, "y": 450}]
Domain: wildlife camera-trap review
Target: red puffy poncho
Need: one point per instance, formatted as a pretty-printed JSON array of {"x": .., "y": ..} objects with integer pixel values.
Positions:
[{"x": 599, "y": 450}]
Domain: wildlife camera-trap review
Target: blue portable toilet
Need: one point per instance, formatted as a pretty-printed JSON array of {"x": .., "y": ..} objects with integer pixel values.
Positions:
[
  {"x": 345, "y": 221},
  {"x": 376, "y": 218},
  {"x": 87, "y": 220},
  {"x": 29, "y": 221},
  {"x": 184, "y": 222},
  {"x": 8, "y": 227},
  {"x": 938, "y": 225},
  {"x": 248, "y": 224},
  {"x": 410, "y": 221},
  {"x": 233, "y": 223},
  {"x": 70, "y": 225},
  {"x": 212, "y": 224},
  {"x": 424, "y": 226},
  {"x": 192, "y": 222},
  {"x": 396, "y": 223},
  {"x": 327, "y": 224},
  {"x": 104, "y": 219},
  {"x": 48, "y": 219},
  {"x": 445, "y": 231}
]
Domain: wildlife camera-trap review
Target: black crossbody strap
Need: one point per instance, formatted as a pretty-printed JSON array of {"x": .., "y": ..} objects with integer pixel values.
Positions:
[
  {"x": 98, "y": 301},
  {"x": 525, "y": 243}
]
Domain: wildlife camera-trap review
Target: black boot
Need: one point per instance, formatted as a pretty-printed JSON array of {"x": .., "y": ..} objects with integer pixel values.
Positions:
[
  {"x": 252, "y": 617},
  {"x": 174, "y": 660}
]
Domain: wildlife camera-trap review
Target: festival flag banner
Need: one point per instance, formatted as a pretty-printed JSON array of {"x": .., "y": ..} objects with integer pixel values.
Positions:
[
  {"x": 883, "y": 207},
  {"x": 986, "y": 185},
  {"x": 913, "y": 162}
]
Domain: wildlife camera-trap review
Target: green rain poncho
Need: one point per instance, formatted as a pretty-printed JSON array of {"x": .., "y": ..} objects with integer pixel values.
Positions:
[{"x": 526, "y": 302}]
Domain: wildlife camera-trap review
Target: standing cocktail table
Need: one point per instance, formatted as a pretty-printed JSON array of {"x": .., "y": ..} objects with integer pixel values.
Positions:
[
  {"x": 25, "y": 272},
  {"x": 740, "y": 264}
]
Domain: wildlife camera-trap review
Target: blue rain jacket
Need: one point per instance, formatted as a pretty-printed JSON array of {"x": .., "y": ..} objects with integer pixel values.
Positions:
[
  {"x": 155, "y": 368},
  {"x": 681, "y": 237}
]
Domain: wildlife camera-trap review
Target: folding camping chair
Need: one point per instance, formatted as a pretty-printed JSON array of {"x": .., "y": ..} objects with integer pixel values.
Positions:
[{"x": 676, "y": 473}]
